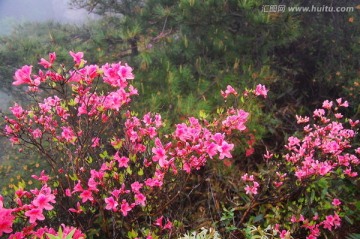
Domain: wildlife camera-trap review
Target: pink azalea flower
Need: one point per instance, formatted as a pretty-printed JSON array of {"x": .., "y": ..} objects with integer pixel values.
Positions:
[
  {"x": 159, "y": 153},
  {"x": 244, "y": 177},
  {"x": 168, "y": 225},
  {"x": 236, "y": 120},
  {"x": 224, "y": 150},
  {"x": 122, "y": 161},
  {"x": 136, "y": 186},
  {"x": 278, "y": 184},
  {"x": 293, "y": 141},
  {"x": 336, "y": 202},
  {"x": 78, "y": 187},
  {"x": 125, "y": 208},
  {"x": 111, "y": 204},
  {"x": 324, "y": 168},
  {"x": 343, "y": 104},
  {"x": 159, "y": 222},
  {"x": 140, "y": 199},
  {"x": 284, "y": 234},
  {"x": 42, "y": 201},
  {"x": 17, "y": 110},
  {"x": 68, "y": 229},
  {"x": 211, "y": 149},
  {"x": 147, "y": 119},
  {"x": 338, "y": 115},
  {"x": 301, "y": 119},
  {"x": 45, "y": 63},
  {"x": 14, "y": 140},
  {"x": 22, "y": 76},
  {"x": 35, "y": 214},
  {"x": 17, "y": 235},
  {"x": 252, "y": 190},
  {"x": 77, "y": 57},
  {"x": 52, "y": 57},
  {"x": 133, "y": 90},
  {"x": 39, "y": 233},
  {"x": 86, "y": 195},
  {"x": 95, "y": 142},
  {"x": 261, "y": 90},
  {"x": 92, "y": 184},
  {"x": 327, "y": 104},
  {"x": 353, "y": 123},
  {"x": 125, "y": 72},
  {"x": 43, "y": 177},
  {"x": 319, "y": 113},
  {"x": 68, "y": 134},
  {"x": 68, "y": 192},
  {"x": 348, "y": 172},
  {"x": 36, "y": 133},
  {"x": 229, "y": 90},
  {"x": 77, "y": 210},
  {"x": 332, "y": 221},
  {"x": 6, "y": 220},
  {"x": 268, "y": 155},
  {"x": 116, "y": 99},
  {"x": 111, "y": 75}
]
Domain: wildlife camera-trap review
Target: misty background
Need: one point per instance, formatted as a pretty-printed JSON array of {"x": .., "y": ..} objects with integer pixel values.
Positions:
[{"x": 13, "y": 12}]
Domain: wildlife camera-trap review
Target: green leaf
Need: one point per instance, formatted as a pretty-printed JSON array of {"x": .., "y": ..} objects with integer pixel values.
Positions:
[
  {"x": 141, "y": 172},
  {"x": 132, "y": 157},
  {"x": 353, "y": 236},
  {"x": 70, "y": 235},
  {"x": 258, "y": 218},
  {"x": 56, "y": 184},
  {"x": 73, "y": 177},
  {"x": 220, "y": 110},
  {"x": 349, "y": 220},
  {"x": 52, "y": 236},
  {"x": 104, "y": 155},
  {"x": 202, "y": 114},
  {"x": 129, "y": 171},
  {"x": 89, "y": 159},
  {"x": 132, "y": 234},
  {"x": 312, "y": 196}
]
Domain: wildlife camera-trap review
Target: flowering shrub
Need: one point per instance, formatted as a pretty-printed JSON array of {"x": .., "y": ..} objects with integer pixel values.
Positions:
[
  {"x": 112, "y": 173},
  {"x": 326, "y": 145},
  {"x": 105, "y": 161},
  {"x": 324, "y": 154}
]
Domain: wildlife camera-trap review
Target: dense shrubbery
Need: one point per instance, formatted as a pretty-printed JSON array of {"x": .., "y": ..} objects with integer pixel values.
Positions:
[{"x": 112, "y": 174}]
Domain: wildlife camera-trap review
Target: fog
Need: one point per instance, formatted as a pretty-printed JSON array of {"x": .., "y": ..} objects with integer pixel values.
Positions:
[
  {"x": 17, "y": 11},
  {"x": 13, "y": 12}
]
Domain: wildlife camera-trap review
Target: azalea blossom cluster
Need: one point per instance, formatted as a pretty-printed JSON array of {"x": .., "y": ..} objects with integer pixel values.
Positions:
[
  {"x": 104, "y": 156},
  {"x": 325, "y": 150},
  {"x": 53, "y": 111},
  {"x": 326, "y": 145},
  {"x": 252, "y": 186},
  {"x": 313, "y": 225},
  {"x": 32, "y": 204},
  {"x": 260, "y": 90}
]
